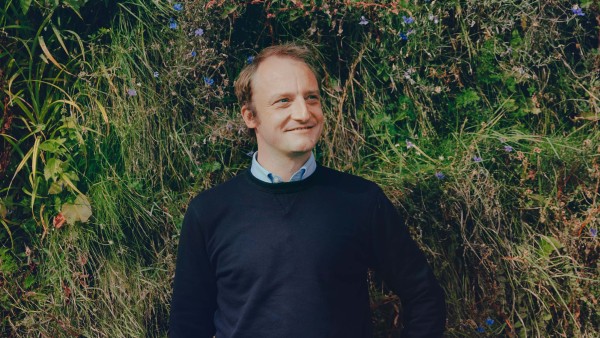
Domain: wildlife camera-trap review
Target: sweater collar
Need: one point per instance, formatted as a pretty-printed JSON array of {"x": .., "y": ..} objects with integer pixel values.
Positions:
[
  {"x": 264, "y": 175},
  {"x": 284, "y": 187}
]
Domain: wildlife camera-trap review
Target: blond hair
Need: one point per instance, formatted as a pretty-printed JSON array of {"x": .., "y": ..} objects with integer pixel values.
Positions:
[{"x": 243, "y": 84}]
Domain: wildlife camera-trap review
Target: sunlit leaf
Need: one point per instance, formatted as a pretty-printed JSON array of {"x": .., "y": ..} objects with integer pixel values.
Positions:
[
  {"x": 53, "y": 168},
  {"x": 78, "y": 211},
  {"x": 25, "y": 4},
  {"x": 3, "y": 210},
  {"x": 68, "y": 179},
  {"x": 53, "y": 145},
  {"x": 56, "y": 187},
  {"x": 29, "y": 281}
]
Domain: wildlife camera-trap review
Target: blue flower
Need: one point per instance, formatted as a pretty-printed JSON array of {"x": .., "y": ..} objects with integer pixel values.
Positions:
[
  {"x": 403, "y": 36},
  {"x": 489, "y": 321},
  {"x": 480, "y": 329},
  {"x": 131, "y": 92},
  {"x": 155, "y": 74},
  {"x": 593, "y": 232},
  {"x": 178, "y": 7},
  {"x": 209, "y": 81},
  {"x": 199, "y": 32},
  {"x": 577, "y": 10},
  {"x": 477, "y": 159},
  {"x": 508, "y": 148},
  {"x": 193, "y": 53},
  {"x": 172, "y": 23},
  {"x": 363, "y": 21},
  {"x": 408, "y": 20},
  {"x": 250, "y": 59},
  {"x": 440, "y": 175}
]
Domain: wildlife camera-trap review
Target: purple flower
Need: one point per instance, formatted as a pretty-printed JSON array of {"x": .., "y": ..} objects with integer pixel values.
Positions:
[
  {"x": 250, "y": 59},
  {"x": 155, "y": 74},
  {"x": 363, "y": 21},
  {"x": 172, "y": 23},
  {"x": 489, "y": 321},
  {"x": 193, "y": 53},
  {"x": 208, "y": 81},
  {"x": 178, "y": 7},
  {"x": 409, "y": 144},
  {"x": 408, "y": 20},
  {"x": 508, "y": 148},
  {"x": 480, "y": 329},
  {"x": 433, "y": 18},
  {"x": 199, "y": 32},
  {"x": 477, "y": 159},
  {"x": 440, "y": 175},
  {"x": 594, "y": 232},
  {"x": 577, "y": 10},
  {"x": 131, "y": 92}
]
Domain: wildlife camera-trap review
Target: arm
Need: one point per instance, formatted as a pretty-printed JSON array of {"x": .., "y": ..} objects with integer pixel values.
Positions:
[
  {"x": 194, "y": 290},
  {"x": 403, "y": 267}
]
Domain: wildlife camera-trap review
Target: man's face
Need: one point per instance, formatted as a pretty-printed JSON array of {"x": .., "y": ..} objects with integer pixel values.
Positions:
[{"x": 287, "y": 119}]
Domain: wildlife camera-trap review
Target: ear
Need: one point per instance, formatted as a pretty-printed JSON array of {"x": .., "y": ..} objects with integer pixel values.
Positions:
[{"x": 249, "y": 117}]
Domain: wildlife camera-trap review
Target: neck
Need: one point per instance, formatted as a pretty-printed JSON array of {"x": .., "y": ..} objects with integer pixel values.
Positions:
[{"x": 283, "y": 167}]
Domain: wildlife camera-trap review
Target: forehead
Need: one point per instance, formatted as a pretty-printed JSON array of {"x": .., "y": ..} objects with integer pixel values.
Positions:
[{"x": 278, "y": 70}]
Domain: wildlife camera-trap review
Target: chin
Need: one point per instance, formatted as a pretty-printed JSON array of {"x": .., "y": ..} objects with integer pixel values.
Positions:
[{"x": 299, "y": 151}]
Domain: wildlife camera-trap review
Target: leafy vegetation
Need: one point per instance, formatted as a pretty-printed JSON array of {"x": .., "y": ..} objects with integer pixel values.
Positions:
[{"x": 478, "y": 118}]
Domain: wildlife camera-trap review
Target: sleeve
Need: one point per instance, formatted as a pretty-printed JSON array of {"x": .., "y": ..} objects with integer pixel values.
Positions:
[
  {"x": 404, "y": 269},
  {"x": 194, "y": 291}
]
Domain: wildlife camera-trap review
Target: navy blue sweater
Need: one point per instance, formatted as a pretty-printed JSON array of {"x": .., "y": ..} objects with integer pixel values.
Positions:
[{"x": 288, "y": 260}]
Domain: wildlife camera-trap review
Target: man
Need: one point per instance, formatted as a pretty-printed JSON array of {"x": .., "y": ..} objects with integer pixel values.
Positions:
[{"x": 282, "y": 250}]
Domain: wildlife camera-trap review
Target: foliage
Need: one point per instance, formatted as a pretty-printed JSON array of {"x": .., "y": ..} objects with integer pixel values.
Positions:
[{"x": 479, "y": 118}]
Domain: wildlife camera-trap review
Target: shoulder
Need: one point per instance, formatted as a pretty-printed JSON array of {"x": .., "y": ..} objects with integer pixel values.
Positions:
[{"x": 215, "y": 196}]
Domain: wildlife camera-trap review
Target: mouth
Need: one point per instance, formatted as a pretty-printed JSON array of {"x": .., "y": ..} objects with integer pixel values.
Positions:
[{"x": 300, "y": 128}]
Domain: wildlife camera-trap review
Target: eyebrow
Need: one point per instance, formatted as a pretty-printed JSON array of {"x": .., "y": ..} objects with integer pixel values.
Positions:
[{"x": 288, "y": 94}]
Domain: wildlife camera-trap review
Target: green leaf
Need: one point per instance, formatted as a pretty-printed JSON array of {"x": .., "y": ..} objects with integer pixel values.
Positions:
[
  {"x": 28, "y": 282},
  {"x": 53, "y": 168},
  {"x": 7, "y": 262},
  {"x": 78, "y": 211},
  {"x": 549, "y": 245},
  {"x": 211, "y": 166},
  {"x": 53, "y": 145},
  {"x": 227, "y": 10},
  {"x": 25, "y": 5}
]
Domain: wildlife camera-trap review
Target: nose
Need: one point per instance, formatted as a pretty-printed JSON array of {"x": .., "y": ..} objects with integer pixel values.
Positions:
[{"x": 301, "y": 112}]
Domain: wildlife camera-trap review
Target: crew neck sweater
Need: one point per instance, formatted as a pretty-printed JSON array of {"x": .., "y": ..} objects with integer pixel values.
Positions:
[{"x": 261, "y": 260}]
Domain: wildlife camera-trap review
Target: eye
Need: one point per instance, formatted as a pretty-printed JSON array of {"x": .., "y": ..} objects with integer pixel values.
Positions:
[
  {"x": 283, "y": 100},
  {"x": 313, "y": 97}
]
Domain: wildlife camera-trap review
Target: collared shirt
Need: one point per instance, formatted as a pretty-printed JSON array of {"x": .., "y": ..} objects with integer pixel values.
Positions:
[{"x": 264, "y": 175}]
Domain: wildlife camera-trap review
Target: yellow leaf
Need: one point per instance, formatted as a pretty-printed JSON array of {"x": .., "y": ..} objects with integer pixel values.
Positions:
[
  {"x": 47, "y": 53},
  {"x": 3, "y": 210},
  {"x": 55, "y": 187},
  {"x": 79, "y": 211}
]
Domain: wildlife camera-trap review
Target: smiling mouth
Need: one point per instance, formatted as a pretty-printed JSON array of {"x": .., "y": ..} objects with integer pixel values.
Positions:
[{"x": 301, "y": 128}]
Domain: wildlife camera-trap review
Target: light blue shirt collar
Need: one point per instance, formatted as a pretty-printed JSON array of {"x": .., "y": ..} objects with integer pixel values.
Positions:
[{"x": 264, "y": 175}]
